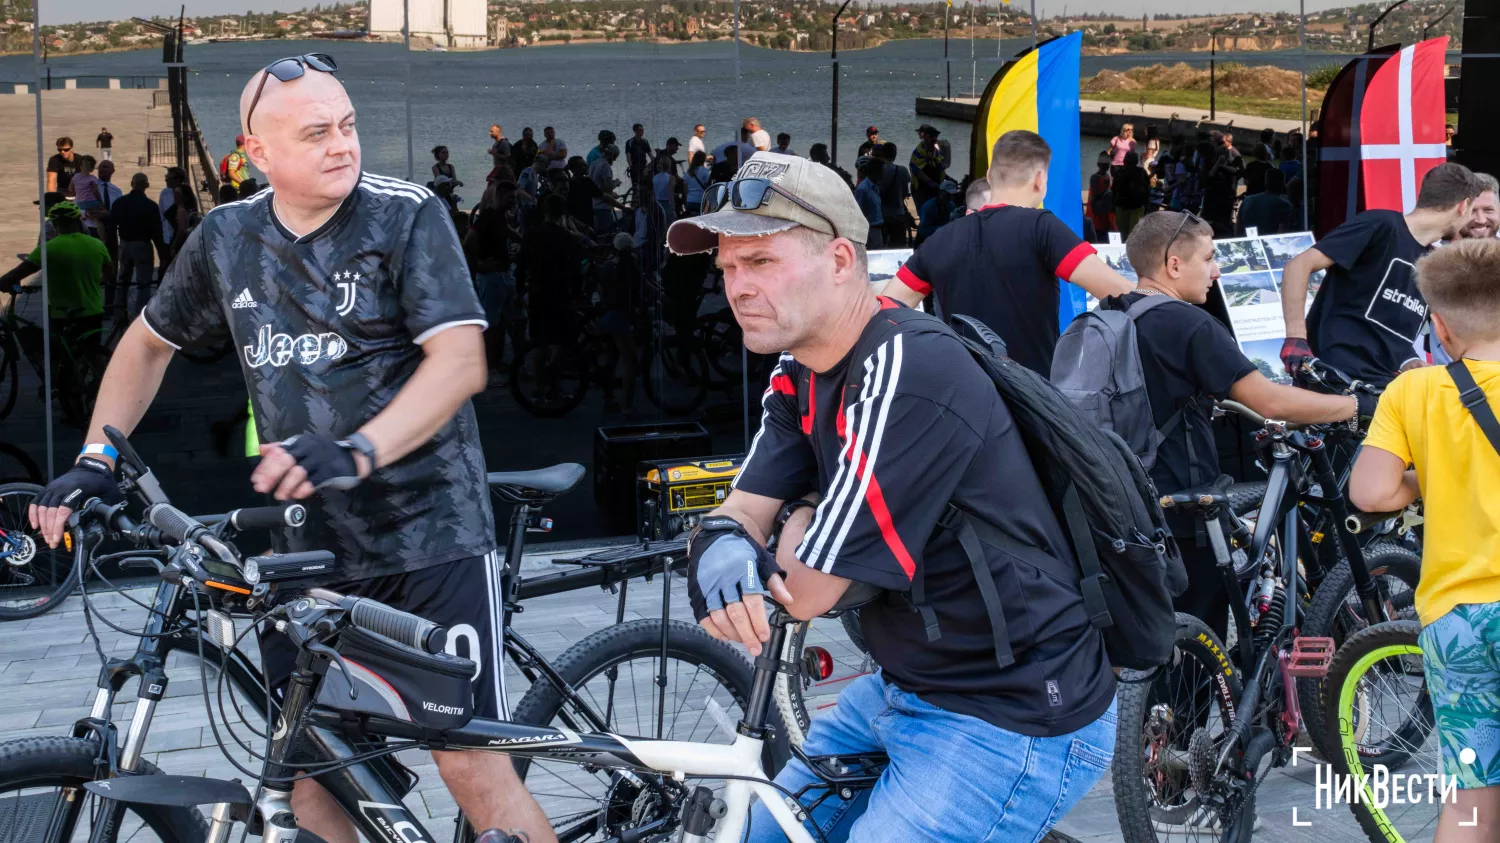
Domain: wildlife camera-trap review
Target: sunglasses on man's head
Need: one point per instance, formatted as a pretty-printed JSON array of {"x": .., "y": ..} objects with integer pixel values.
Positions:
[
  {"x": 1187, "y": 216},
  {"x": 287, "y": 69},
  {"x": 749, "y": 194}
]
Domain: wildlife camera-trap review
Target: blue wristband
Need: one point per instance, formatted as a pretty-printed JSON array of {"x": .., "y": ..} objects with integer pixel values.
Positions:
[{"x": 100, "y": 450}]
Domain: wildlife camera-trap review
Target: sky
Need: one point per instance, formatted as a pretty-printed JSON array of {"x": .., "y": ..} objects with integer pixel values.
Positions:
[{"x": 72, "y": 11}]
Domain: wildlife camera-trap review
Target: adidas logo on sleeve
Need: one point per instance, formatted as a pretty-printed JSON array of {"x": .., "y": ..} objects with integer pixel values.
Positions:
[{"x": 243, "y": 300}]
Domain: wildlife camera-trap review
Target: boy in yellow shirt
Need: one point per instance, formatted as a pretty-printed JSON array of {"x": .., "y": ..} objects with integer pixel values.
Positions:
[{"x": 1442, "y": 422}]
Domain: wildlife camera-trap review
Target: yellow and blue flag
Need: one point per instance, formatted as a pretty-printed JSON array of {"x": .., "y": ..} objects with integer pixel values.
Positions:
[{"x": 1038, "y": 91}]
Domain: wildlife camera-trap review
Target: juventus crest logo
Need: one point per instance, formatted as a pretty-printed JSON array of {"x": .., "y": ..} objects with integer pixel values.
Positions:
[{"x": 347, "y": 290}]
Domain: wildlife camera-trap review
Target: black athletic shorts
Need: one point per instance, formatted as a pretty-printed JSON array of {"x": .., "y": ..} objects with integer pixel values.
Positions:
[{"x": 463, "y": 596}]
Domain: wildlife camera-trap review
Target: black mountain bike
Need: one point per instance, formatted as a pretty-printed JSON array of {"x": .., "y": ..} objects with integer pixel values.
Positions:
[
  {"x": 1199, "y": 736},
  {"x": 647, "y": 677}
]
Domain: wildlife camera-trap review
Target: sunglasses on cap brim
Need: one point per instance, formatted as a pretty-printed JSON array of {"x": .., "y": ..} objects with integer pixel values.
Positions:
[
  {"x": 287, "y": 69},
  {"x": 749, "y": 194}
]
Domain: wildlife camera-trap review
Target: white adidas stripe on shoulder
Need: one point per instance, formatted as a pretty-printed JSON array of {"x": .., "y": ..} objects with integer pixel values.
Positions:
[
  {"x": 393, "y": 187},
  {"x": 259, "y": 196},
  {"x": 780, "y": 369}
]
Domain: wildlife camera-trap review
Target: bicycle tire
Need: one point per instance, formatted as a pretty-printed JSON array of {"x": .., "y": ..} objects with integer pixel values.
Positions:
[
  {"x": 1362, "y": 652},
  {"x": 611, "y": 647},
  {"x": 69, "y": 763},
  {"x": 9, "y": 374},
  {"x": 566, "y": 360},
  {"x": 1138, "y": 808},
  {"x": 1336, "y": 613},
  {"x": 791, "y": 691},
  {"x": 675, "y": 373},
  {"x": 14, "y": 499}
]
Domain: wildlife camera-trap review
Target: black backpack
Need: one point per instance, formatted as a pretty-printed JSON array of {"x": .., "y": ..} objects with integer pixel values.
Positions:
[{"x": 1128, "y": 565}]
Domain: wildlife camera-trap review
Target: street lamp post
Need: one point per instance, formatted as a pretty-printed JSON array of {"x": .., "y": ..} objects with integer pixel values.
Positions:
[
  {"x": 1213, "y": 46},
  {"x": 833, "y": 139},
  {"x": 1391, "y": 8},
  {"x": 947, "y": 68}
]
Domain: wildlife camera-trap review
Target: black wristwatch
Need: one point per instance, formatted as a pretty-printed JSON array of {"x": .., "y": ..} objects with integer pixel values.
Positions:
[{"x": 788, "y": 509}]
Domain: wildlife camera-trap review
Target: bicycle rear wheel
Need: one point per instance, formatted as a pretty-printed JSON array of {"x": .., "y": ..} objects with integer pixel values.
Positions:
[
  {"x": 33, "y": 577},
  {"x": 830, "y": 653},
  {"x": 614, "y": 671},
  {"x": 1378, "y": 706},
  {"x": 41, "y": 785},
  {"x": 1156, "y": 797},
  {"x": 549, "y": 379}
]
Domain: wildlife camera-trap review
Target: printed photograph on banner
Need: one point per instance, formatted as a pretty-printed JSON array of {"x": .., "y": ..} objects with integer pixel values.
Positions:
[
  {"x": 1251, "y": 288},
  {"x": 883, "y": 266},
  {"x": 1240, "y": 255},
  {"x": 1281, "y": 248},
  {"x": 1115, "y": 257},
  {"x": 1266, "y": 355}
]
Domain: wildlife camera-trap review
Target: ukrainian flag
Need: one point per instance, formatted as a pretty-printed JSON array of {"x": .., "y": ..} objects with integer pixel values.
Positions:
[{"x": 1038, "y": 90}]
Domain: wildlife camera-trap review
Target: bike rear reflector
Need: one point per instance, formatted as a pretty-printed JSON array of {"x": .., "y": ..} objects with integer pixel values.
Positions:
[{"x": 817, "y": 664}]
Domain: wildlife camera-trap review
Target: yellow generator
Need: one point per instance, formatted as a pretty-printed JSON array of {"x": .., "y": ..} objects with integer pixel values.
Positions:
[{"x": 671, "y": 495}]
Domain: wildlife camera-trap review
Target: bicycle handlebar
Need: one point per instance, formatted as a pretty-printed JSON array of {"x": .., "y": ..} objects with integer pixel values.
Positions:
[
  {"x": 380, "y": 619},
  {"x": 1360, "y": 522},
  {"x": 260, "y": 517}
]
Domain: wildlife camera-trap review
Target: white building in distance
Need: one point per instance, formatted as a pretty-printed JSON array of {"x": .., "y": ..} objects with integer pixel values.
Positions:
[{"x": 449, "y": 23}]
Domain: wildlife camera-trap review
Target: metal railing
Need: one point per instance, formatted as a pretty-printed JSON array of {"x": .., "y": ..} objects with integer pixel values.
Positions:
[{"x": 161, "y": 148}]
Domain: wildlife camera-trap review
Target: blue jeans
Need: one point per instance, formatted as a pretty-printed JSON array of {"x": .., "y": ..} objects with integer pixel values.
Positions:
[{"x": 951, "y": 778}]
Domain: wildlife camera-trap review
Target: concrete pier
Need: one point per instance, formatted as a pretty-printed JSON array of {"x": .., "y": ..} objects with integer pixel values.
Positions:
[
  {"x": 77, "y": 113},
  {"x": 1104, "y": 119}
]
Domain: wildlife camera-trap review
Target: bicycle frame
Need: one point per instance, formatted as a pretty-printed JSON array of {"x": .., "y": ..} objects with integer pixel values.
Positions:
[{"x": 378, "y": 812}]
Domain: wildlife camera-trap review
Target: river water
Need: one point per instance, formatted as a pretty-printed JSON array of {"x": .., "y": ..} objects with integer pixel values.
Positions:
[{"x": 454, "y": 97}]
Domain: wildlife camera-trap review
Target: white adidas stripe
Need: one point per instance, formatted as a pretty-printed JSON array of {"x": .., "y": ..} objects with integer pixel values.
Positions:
[
  {"x": 399, "y": 194},
  {"x": 259, "y": 196},
  {"x": 872, "y": 459},
  {"x": 388, "y": 183},
  {"x": 828, "y": 518}
]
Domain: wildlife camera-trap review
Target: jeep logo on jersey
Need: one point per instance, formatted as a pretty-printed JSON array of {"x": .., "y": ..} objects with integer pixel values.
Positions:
[{"x": 280, "y": 349}]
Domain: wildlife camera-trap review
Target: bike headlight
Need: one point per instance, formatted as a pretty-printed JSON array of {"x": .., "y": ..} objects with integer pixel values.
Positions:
[{"x": 252, "y": 572}]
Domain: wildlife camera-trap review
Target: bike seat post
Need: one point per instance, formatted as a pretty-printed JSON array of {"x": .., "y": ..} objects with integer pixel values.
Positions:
[{"x": 763, "y": 687}]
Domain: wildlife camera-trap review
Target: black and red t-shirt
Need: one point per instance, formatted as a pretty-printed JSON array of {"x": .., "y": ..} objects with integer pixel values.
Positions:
[
  {"x": 888, "y": 441},
  {"x": 1000, "y": 265}
]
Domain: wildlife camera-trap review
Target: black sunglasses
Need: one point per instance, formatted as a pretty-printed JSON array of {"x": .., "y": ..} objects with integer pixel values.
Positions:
[
  {"x": 1187, "y": 216},
  {"x": 287, "y": 69},
  {"x": 749, "y": 194}
]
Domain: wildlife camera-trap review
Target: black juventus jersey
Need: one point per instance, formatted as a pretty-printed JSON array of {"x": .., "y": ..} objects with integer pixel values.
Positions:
[{"x": 328, "y": 326}]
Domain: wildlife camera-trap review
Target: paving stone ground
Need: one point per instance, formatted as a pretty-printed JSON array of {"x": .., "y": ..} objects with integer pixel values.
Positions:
[{"x": 48, "y": 667}]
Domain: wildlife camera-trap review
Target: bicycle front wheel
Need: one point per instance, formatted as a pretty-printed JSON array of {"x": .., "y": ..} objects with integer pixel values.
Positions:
[
  {"x": 42, "y": 799},
  {"x": 1381, "y": 716},
  {"x": 549, "y": 379},
  {"x": 615, "y": 673},
  {"x": 33, "y": 577}
]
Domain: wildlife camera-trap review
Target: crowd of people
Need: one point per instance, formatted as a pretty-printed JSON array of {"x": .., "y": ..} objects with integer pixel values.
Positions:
[
  {"x": 1138, "y": 176},
  {"x": 1013, "y": 676}
]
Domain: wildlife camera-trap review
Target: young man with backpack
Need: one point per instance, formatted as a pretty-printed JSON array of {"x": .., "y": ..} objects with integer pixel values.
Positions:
[
  {"x": 885, "y": 456},
  {"x": 1186, "y": 360},
  {"x": 1002, "y": 264}
]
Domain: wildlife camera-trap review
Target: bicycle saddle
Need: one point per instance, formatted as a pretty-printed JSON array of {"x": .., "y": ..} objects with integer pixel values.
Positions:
[
  {"x": 1204, "y": 501},
  {"x": 537, "y": 486}
]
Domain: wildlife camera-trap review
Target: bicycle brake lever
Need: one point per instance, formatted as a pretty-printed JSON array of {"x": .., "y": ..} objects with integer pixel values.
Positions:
[{"x": 324, "y": 650}]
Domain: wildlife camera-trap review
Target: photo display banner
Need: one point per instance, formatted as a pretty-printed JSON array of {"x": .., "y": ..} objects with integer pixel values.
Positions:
[{"x": 1248, "y": 290}]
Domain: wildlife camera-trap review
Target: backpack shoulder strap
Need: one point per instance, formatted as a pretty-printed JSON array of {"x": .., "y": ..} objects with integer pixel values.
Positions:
[{"x": 1474, "y": 400}]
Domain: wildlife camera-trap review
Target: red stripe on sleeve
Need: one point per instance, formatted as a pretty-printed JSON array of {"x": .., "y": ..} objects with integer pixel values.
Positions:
[
  {"x": 911, "y": 280},
  {"x": 882, "y": 515},
  {"x": 783, "y": 385},
  {"x": 1071, "y": 261}
]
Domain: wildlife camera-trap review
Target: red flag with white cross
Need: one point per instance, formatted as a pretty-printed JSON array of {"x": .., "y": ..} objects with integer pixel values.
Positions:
[{"x": 1402, "y": 125}]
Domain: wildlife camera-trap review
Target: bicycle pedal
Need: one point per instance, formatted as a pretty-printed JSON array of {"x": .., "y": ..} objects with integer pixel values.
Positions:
[{"x": 1310, "y": 657}]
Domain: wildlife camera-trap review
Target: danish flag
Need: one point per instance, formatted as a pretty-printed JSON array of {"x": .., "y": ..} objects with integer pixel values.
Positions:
[{"x": 1402, "y": 125}]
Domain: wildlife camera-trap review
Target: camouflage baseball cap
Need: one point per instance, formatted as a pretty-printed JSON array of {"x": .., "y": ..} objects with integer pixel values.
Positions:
[{"x": 803, "y": 193}]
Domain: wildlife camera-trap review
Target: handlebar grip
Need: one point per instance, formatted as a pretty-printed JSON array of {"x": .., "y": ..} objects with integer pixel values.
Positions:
[
  {"x": 268, "y": 517},
  {"x": 173, "y": 522},
  {"x": 398, "y": 626},
  {"x": 1359, "y": 522}
]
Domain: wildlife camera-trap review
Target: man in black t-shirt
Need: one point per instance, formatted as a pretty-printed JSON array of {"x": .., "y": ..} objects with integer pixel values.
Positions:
[
  {"x": 1002, "y": 264},
  {"x": 884, "y": 437},
  {"x": 1368, "y": 315},
  {"x": 61, "y": 167},
  {"x": 523, "y": 151},
  {"x": 348, "y": 299},
  {"x": 1190, "y": 360}
]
